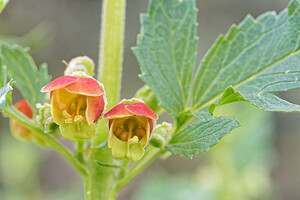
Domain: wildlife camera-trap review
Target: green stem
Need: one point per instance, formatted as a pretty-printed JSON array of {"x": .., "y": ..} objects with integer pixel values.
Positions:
[
  {"x": 99, "y": 180},
  {"x": 79, "y": 150},
  {"x": 26, "y": 122},
  {"x": 149, "y": 156},
  {"x": 110, "y": 56},
  {"x": 123, "y": 171},
  {"x": 111, "y": 49}
]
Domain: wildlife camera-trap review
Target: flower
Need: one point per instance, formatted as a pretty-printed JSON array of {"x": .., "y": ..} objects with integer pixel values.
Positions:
[
  {"x": 130, "y": 124},
  {"x": 77, "y": 102},
  {"x": 17, "y": 130}
]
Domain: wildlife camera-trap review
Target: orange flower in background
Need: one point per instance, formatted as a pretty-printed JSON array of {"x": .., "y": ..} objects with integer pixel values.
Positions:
[
  {"x": 77, "y": 102},
  {"x": 130, "y": 125},
  {"x": 18, "y": 130}
]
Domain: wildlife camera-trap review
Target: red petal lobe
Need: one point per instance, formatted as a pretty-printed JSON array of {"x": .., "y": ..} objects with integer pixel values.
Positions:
[
  {"x": 141, "y": 109},
  {"x": 59, "y": 83}
]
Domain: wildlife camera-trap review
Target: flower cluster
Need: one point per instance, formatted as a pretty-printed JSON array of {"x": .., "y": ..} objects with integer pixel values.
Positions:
[{"x": 78, "y": 101}]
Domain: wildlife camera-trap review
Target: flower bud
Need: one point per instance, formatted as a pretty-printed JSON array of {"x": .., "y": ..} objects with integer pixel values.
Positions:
[
  {"x": 44, "y": 118},
  {"x": 160, "y": 136},
  {"x": 18, "y": 130},
  {"x": 82, "y": 64}
]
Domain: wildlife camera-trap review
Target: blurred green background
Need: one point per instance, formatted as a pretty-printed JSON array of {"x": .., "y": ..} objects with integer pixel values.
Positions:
[{"x": 259, "y": 160}]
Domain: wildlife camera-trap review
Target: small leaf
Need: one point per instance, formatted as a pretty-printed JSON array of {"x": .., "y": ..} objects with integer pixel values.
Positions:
[
  {"x": 21, "y": 67},
  {"x": 229, "y": 96},
  {"x": 201, "y": 136},
  {"x": 107, "y": 164},
  {"x": 146, "y": 94},
  {"x": 103, "y": 145},
  {"x": 3, "y": 3},
  {"x": 166, "y": 50},
  {"x": 3, "y": 94},
  {"x": 255, "y": 58}
]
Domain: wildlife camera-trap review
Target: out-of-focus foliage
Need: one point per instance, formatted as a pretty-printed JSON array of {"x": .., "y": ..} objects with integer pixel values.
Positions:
[
  {"x": 238, "y": 168},
  {"x": 19, "y": 164},
  {"x": 3, "y": 3},
  {"x": 35, "y": 39},
  {"x": 20, "y": 173}
]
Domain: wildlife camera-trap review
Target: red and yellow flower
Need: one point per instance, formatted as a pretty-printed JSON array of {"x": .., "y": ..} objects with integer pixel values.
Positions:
[
  {"x": 130, "y": 124},
  {"x": 77, "y": 102}
]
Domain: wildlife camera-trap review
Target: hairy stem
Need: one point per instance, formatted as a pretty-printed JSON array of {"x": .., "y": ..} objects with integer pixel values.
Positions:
[
  {"x": 149, "y": 156},
  {"x": 111, "y": 48},
  {"x": 110, "y": 56},
  {"x": 100, "y": 179}
]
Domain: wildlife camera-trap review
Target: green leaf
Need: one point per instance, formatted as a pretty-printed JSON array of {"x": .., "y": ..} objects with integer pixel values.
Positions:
[
  {"x": 229, "y": 96},
  {"x": 146, "y": 94},
  {"x": 257, "y": 57},
  {"x": 107, "y": 164},
  {"x": 199, "y": 137},
  {"x": 3, "y": 94},
  {"x": 166, "y": 50},
  {"x": 3, "y": 3},
  {"x": 21, "y": 67}
]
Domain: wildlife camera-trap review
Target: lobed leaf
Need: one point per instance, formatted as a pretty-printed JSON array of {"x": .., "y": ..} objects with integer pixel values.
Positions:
[
  {"x": 256, "y": 58},
  {"x": 166, "y": 50},
  {"x": 201, "y": 136},
  {"x": 21, "y": 67}
]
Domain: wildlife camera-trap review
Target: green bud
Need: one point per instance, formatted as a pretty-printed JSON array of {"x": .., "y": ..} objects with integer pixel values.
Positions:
[
  {"x": 160, "y": 135},
  {"x": 80, "y": 64},
  {"x": 157, "y": 140},
  {"x": 44, "y": 118},
  {"x": 145, "y": 93}
]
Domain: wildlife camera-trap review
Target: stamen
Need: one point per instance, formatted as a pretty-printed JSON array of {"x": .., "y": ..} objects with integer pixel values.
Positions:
[
  {"x": 68, "y": 120},
  {"x": 78, "y": 118},
  {"x": 66, "y": 114},
  {"x": 133, "y": 140}
]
